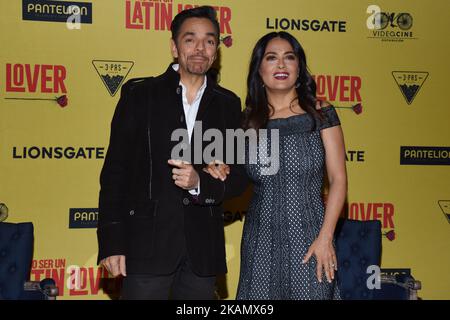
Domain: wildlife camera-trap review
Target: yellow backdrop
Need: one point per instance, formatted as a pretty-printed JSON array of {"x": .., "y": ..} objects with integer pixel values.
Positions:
[{"x": 51, "y": 156}]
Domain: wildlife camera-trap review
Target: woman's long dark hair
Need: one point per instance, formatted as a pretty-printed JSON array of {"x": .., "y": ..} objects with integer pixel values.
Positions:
[{"x": 257, "y": 111}]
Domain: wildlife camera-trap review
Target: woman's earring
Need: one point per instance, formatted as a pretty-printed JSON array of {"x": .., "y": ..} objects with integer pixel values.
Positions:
[{"x": 298, "y": 81}]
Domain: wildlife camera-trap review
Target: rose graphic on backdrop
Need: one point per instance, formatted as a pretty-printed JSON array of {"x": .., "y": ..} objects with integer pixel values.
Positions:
[
  {"x": 390, "y": 235},
  {"x": 61, "y": 100},
  {"x": 357, "y": 108},
  {"x": 3, "y": 212},
  {"x": 227, "y": 41}
]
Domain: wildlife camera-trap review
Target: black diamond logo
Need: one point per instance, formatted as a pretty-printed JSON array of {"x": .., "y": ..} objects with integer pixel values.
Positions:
[{"x": 445, "y": 207}]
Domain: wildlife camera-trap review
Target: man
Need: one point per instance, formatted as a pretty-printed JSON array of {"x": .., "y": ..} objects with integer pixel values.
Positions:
[{"x": 160, "y": 219}]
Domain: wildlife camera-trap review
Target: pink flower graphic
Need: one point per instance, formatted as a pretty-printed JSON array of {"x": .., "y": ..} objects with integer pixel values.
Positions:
[
  {"x": 358, "y": 108},
  {"x": 390, "y": 235},
  {"x": 62, "y": 101},
  {"x": 227, "y": 41}
]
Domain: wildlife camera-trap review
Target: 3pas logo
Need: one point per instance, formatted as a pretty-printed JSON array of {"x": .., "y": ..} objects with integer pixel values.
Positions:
[
  {"x": 409, "y": 83},
  {"x": 112, "y": 73}
]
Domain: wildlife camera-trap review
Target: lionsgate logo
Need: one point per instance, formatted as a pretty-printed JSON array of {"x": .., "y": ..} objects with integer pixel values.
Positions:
[
  {"x": 389, "y": 26},
  {"x": 252, "y": 146},
  {"x": 314, "y": 25}
]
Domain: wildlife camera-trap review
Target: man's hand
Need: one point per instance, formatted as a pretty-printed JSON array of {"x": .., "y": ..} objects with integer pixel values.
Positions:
[
  {"x": 218, "y": 170},
  {"x": 184, "y": 174},
  {"x": 115, "y": 265}
]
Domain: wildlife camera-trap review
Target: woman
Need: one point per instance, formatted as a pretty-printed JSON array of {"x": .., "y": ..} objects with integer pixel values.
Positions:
[{"x": 287, "y": 247}]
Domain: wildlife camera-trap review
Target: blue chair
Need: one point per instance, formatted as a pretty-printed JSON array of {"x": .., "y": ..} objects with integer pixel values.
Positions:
[
  {"x": 16, "y": 253},
  {"x": 398, "y": 287},
  {"x": 358, "y": 246}
]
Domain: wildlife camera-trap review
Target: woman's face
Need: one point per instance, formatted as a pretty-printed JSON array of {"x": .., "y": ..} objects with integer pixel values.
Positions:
[{"x": 279, "y": 67}]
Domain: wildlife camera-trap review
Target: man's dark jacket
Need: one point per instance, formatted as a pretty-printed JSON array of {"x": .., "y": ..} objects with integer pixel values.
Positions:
[{"x": 142, "y": 213}]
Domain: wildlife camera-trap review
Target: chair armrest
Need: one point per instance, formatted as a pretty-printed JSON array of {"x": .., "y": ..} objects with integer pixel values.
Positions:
[
  {"x": 47, "y": 287},
  {"x": 404, "y": 281}
]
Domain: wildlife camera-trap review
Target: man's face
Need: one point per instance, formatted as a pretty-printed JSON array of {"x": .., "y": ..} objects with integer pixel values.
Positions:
[{"x": 195, "y": 46}]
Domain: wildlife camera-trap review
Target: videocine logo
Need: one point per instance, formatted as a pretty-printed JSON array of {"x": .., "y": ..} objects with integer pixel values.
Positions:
[
  {"x": 82, "y": 218},
  {"x": 56, "y": 11},
  {"x": 389, "y": 25},
  {"x": 424, "y": 155}
]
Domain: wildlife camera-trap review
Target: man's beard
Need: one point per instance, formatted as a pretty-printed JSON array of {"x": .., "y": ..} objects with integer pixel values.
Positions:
[{"x": 198, "y": 68}]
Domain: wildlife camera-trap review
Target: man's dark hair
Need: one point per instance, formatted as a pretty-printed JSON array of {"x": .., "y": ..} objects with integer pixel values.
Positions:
[{"x": 205, "y": 12}]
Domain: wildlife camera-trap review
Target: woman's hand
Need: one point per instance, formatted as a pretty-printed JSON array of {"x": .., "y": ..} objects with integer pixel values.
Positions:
[
  {"x": 218, "y": 170},
  {"x": 322, "y": 248}
]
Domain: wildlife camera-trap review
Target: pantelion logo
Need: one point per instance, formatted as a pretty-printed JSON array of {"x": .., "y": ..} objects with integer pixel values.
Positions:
[
  {"x": 56, "y": 11},
  {"x": 81, "y": 218},
  {"x": 415, "y": 155}
]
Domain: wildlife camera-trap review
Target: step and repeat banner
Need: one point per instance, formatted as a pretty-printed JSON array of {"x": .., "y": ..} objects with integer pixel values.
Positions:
[{"x": 382, "y": 63}]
